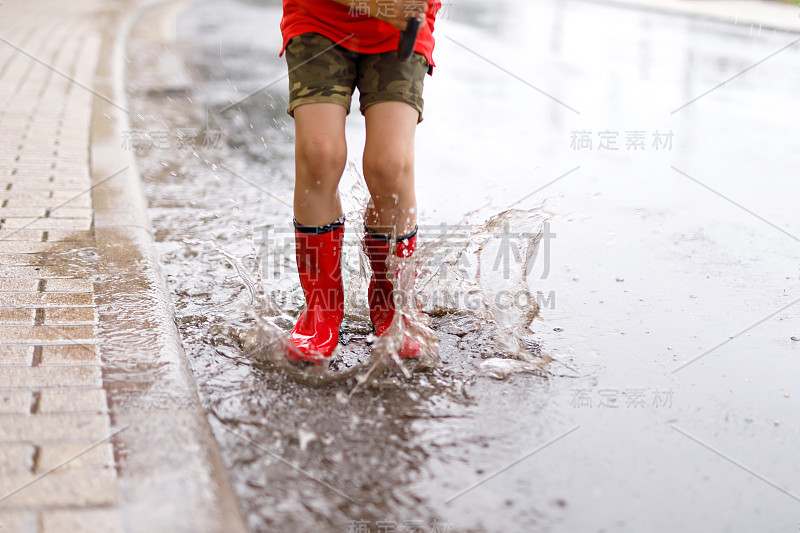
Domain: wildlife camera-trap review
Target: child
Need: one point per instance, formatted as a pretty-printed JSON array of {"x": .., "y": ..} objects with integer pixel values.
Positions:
[{"x": 332, "y": 47}]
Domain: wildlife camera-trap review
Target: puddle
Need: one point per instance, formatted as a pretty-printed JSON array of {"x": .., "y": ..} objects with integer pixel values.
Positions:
[{"x": 320, "y": 448}]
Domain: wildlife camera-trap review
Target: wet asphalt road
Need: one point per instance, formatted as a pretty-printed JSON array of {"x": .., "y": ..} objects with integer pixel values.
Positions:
[{"x": 669, "y": 292}]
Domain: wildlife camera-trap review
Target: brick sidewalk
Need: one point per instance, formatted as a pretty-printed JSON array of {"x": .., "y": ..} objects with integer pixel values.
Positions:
[
  {"x": 52, "y": 402},
  {"x": 58, "y": 468}
]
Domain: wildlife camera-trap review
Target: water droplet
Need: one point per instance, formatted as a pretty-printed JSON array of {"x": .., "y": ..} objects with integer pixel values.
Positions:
[{"x": 305, "y": 436}]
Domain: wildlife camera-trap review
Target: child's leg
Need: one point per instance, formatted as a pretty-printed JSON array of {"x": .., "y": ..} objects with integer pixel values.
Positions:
[
  {"x": 389, "y": 172},
  {"x": 389, "y": 167},
  {"x": 321, "y": 81},
  {"x": 320, "y": 158}
]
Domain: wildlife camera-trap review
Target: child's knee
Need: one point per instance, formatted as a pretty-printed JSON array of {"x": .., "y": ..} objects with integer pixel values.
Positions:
[
  {"x": 322, "y": 157},
  {"x": 389, "y": 171}
]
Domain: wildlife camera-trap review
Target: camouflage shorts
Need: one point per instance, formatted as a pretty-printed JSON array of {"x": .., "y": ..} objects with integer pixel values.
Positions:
[{"x": 321, "y": 71}]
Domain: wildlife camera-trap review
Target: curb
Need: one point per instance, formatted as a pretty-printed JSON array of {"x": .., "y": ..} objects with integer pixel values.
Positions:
[
  {"x": 772, "y": 15},
  {"x": 172, "y": 475}
]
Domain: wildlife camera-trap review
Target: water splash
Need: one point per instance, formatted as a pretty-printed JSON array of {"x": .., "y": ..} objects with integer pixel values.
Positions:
[
  {"x": 462, "y": 271},
  {"x": 483, "y": 272}
]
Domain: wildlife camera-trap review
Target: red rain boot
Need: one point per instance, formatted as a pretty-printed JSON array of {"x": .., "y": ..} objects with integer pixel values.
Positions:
[
  {"x": 381, "y": 286},
  {"x": 319, "y": 264}
]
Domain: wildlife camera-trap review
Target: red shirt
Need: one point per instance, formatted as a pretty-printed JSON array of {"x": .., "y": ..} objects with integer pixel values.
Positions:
[{"x": 337, "y": 21}]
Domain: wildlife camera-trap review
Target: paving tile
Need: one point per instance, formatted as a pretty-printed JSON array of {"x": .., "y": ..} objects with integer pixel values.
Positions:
[
  {"x": 70, "y": 354},
  {"x": 82, "y": 223},
  {"x": 17, "y": 248},
  {"x": 30, "y": 271},
  {"x": 22, "y": 212},
  {"x": 72, "y": 401},
  {"x": 14, "y": 401},
  {"x": 61, "y": 427},
  {"x": 33, "y": 299},
  {"x": 69, "y": 211},
  {"x": 18, "y": 521},
  {"x": 70, "y": 315},
  {"x": 82, "y": 521},
  {"x": 37, "y": 199},
  {"x": 15, "y": 258},
  {"x": 61, "y": 489},
  {"x": 18, "y": 285},
  {"x": 16, "y": 459},
  {"x": 21, "y": 235},
  {"x": 17, "y": 316},
  {"x": 45, "y": 334},
  {"x": 68, "y": 285},
  {"x": 16, "y": 354},
  {"x": 75, "y": 455},
  {"x": 39, "y": 377},
  {"x": 69, "y": 236}
]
